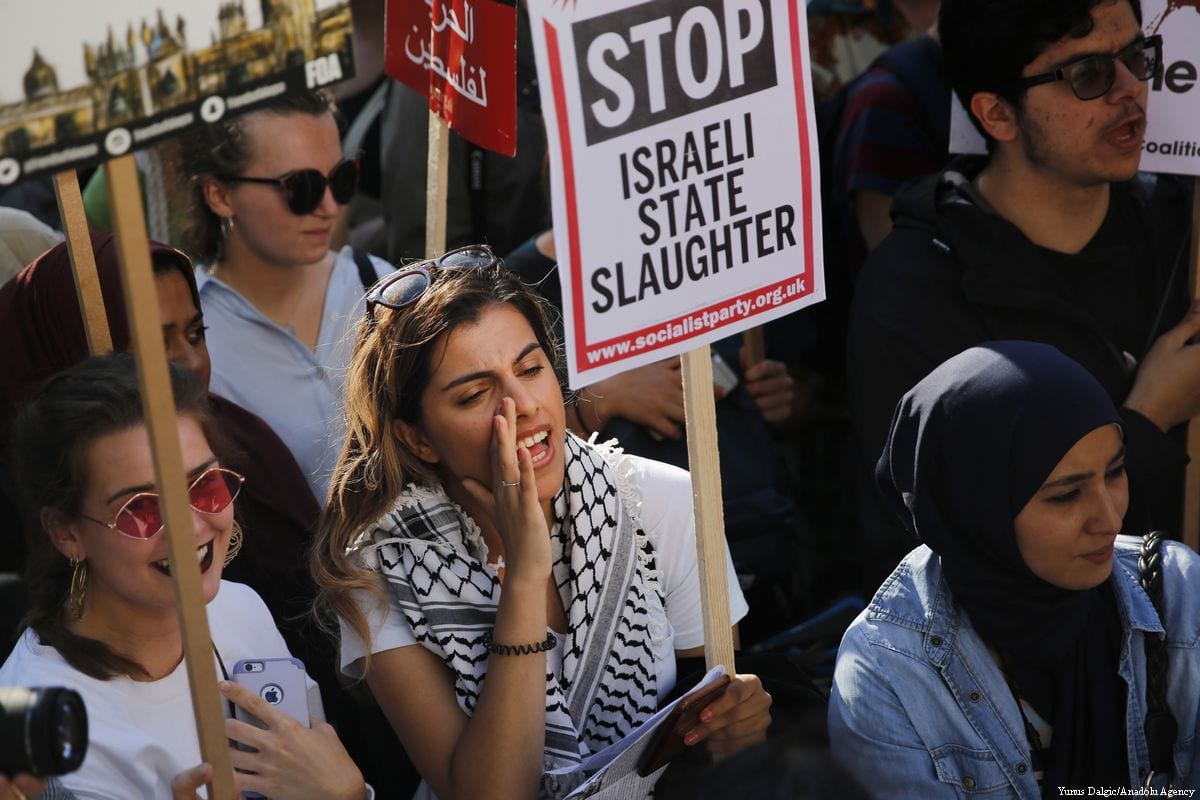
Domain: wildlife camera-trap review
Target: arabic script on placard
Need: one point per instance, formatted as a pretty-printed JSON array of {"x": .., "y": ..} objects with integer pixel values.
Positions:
[{"x": 469, "y": 81}]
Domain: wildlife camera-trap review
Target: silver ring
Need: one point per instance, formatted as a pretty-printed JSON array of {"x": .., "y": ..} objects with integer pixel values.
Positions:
[{"x": 509, "y": 484}]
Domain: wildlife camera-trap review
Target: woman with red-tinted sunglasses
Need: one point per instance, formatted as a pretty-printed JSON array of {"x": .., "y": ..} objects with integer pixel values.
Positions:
[{"x": 103, "y": 619}]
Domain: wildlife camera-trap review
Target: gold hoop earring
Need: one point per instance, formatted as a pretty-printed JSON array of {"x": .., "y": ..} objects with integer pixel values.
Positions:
[
  {"x": 235, "y": 543},
  {"x": 226, "y": 227},
  {"x": 77, "y": 594}
]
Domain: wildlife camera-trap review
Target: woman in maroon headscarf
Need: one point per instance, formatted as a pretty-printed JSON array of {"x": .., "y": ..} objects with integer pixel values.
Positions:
[{"x": 42, "y": 333}]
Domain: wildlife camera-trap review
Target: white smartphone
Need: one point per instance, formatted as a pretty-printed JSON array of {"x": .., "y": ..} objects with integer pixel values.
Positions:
[
  {"x": 723, "y": 375},
  {"x": 281, "y": 682}
]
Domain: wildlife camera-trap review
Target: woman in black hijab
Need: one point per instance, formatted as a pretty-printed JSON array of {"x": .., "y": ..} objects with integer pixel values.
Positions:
[{"x": 1006, "y": 655}]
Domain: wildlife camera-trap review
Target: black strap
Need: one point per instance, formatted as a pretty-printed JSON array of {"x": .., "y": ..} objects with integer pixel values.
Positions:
[
  {"x": 366, "y": 270},
  {"x": 225, "y": 676},
  {"x": 477, "y": 192},
  {"x": 1161, "y": 727},
  {"x": 1037, "y": 750}
]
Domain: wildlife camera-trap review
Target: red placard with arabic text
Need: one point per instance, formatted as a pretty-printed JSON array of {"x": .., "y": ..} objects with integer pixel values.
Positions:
[{"x": 462, "y": 55}]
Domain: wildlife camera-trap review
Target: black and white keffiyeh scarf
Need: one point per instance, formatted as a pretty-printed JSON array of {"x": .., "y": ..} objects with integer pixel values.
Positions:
[{"x": 434, "y": 560}]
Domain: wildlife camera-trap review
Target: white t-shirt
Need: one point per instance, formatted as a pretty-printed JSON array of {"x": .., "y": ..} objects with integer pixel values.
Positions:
[
  {"x": 666, "y": 517},
  {"x": 143, "y": 733}
]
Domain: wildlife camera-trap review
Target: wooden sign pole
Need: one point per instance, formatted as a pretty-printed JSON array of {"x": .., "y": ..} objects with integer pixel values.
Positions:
[
  {"x": 700, "y": 409},
  {"x": 83, "y": 261},
  {"x": 1191, "y": 484},
  {"x": 437, "y": 179},
  {"x": 756, "y": 348},
  {"x": 141, "y": 301}
]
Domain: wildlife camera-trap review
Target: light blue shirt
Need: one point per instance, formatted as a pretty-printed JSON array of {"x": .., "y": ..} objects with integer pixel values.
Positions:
[
  {"x": 263, "y": 367},
  {"x": 920, "y": 708}
]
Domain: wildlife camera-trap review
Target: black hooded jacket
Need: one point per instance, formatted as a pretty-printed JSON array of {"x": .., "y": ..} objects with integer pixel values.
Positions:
[{"x": 953, "y": 274}]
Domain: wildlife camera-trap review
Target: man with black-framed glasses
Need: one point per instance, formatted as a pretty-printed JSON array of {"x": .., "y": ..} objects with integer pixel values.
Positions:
[{"x": 1054, "y": 236}]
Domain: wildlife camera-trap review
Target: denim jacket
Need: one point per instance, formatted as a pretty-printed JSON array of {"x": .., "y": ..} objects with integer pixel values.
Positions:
[{"x": 920, "y": 709}]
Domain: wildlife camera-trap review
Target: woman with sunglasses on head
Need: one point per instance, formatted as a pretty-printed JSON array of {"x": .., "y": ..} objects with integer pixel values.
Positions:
[
  {"x": 515, "y": 597},
  {"x": 103, "y": 619},
  {"x": 1016, "y": 653},
  {"x": 266, "y": 189}
]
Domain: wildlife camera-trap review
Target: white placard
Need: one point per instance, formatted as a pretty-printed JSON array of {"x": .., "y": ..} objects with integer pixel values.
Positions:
[
  {"x": 1172, "y": 143},
  {"x": 684, "y": 172}
]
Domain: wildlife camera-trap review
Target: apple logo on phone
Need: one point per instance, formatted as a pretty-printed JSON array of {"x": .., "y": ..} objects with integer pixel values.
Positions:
[{"x": 271, "y": 693}]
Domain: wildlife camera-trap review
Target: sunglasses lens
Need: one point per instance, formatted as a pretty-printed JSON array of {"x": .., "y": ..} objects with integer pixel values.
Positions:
[
  {"x": 1092, "y": 77},
  {"x": 343, "y": 181},
  {"x": 214, "y": 491},
  {"x": 467, "y": 258},
  {"x": 1141, "y": 60},
  {"x": 304, "y": 190},
  {"x": 404, "y": 289},
  {"x": 141, "y": 517},
  {"x": 211, "y": 493}
]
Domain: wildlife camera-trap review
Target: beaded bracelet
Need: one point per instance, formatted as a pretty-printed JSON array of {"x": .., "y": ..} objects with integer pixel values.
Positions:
[{"x": 550, "y": 643}]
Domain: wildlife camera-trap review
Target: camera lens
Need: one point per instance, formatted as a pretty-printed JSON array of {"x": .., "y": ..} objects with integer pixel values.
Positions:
[
  {"x": 43, "y": 731},
  {"x": 69, "y": 730}
]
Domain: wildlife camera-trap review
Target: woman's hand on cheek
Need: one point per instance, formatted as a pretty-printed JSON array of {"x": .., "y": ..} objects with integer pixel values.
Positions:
[
  {"x": 736, "y": 719},
  {"x": 512, "y": 500},
  {"x": 292, "y": 762}
]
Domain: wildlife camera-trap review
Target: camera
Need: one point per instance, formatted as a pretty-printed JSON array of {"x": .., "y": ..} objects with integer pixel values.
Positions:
[{"x": 43, "y": 731}]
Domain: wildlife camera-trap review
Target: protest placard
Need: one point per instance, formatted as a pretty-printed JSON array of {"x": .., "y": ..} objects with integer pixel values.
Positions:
[
  {"x": 1172, "y": 140},
  {"x": 82, "y": 81},
  {"x": 683, "y": 167},
  {"x": 462, "y": 56}
]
